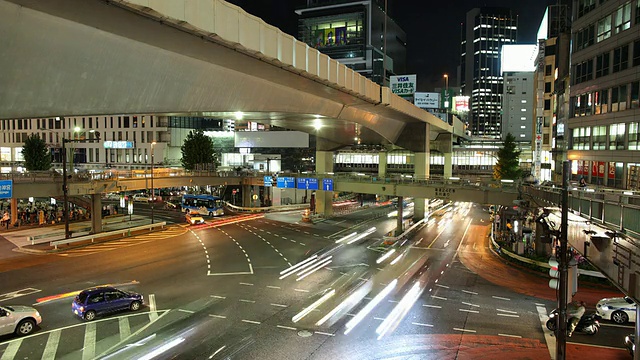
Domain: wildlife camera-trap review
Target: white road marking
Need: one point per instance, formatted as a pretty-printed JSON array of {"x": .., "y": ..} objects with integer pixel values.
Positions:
[
  {"x": 18, "y": 293},
  {"x": 501, "y": 298},
  {"x": 301, "y": 290},
  {"x": 421, "y": 324},
  {"x": 89, "y": 349},
  {"x": 218, "y": 316},
  {"x": 279, "y": 305},
  {"x": 507, "y": 311},
  {"x": 11, "y": 350},
  {"x": 350, "y": 314},
  {"x": 218, "y": 297},
  {"x": 548, "y": 335},
  {"x": 324, "y": 333},
  {"x": 432, "y": 306},
  {"x": 123, "y": 326},
  {"x": 52, "y": 345},
  {"x": 539, "y": 304},
  {"x": 471, "y": 311},
  {"x": 247, "y": 301},
  {"x": 251, "y": 321},
  {"x": 438, "y": 297},
  {"x": 152, "y": 307},
  {"x": 273, "y": 287},
  {"x": 378, "y": 318},
  {"x": 470, "y": 304},
  {"x": 187, "y": 311},
  {"x": 470, "y": 292},
  {"x": 464, "y": 330},
  {"x": 442, "y": 286},
  {"x": 286, "y": 327},
  {"x": 508, "y": 315},
  {"x": 513, "y": 336},
  {"x": 246, "y": 284}
]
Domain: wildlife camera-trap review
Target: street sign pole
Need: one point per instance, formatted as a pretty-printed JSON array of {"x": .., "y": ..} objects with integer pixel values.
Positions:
[{"x": 561, "y": 334}]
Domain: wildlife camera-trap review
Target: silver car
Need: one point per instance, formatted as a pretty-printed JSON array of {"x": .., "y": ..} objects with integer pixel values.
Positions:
[{"x": 18, "y": 319}]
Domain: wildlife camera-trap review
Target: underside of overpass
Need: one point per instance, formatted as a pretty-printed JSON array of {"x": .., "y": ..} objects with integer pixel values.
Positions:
[{"x": 71, "y": 57}]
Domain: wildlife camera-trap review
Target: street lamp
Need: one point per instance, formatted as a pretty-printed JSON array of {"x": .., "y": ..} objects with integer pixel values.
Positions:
[
  {"x": 446, "y": 94},
  {"x": 153, "y": 197}
]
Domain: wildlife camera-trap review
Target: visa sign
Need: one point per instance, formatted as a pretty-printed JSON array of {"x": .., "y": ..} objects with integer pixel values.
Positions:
[{"x": 403, "y": 84}]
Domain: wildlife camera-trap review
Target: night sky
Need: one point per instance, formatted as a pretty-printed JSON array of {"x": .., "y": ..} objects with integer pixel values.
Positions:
[{"x": 432, "y": 27}]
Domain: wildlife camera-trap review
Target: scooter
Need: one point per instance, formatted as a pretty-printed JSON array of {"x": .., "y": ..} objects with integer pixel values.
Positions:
[{"x": 588, "y": 324}]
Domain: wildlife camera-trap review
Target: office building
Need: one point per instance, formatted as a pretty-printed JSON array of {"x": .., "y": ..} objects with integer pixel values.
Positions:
[
  {"x": 603, "y": 128},
  {"x": 484, "y": 33},
  {"x": 353, "y": 32}
]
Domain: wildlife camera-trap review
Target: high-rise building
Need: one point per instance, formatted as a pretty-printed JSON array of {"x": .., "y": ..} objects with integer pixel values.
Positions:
[
  {"x": 353, "y": 32},
  {"x": 517, "y": 64},
  {"x": 603, "y": 127},
  {"x": 484, "y": 32}
]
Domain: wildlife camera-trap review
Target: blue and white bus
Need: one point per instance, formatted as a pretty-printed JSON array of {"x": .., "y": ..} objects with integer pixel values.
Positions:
[{"x": 202, "y": 204}]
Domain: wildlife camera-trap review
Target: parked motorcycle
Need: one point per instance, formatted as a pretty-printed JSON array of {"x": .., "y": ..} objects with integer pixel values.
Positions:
[{"x": 588, "y": 324}]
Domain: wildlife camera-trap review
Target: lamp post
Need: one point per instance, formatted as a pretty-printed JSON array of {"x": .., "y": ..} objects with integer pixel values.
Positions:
[
  {"x": 153, "y": 197},
  {"x": 446, "y": 94}
]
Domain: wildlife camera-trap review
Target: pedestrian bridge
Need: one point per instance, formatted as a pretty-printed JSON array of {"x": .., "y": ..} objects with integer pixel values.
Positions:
[
  {"x": 202, "y": 58},
  {"x": 49, "y": 184}
]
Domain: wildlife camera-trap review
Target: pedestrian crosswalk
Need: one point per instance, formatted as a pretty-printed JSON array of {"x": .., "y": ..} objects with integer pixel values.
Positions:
[
  {"x": 124, "y": 242},
  {"x": 84, "y": 340}
]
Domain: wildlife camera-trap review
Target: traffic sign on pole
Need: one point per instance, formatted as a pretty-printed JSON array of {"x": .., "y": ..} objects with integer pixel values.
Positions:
[
  {"x": 6, "y": 189},
  {"x": 327, "y": 184}
]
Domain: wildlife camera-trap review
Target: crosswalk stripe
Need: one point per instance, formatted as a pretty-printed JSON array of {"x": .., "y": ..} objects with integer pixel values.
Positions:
[
  {"x": 123, "y": 325},
  {"x": 52, "y": 345},
  {"x": 89, "y": 349},
  {"x": 11, "y": 350}
]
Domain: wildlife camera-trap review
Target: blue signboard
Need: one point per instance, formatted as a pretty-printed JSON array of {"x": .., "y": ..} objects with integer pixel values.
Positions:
[
  {"x": 268, "y": 181},
  {"x": 6, "y": 189},
  {"x": 327, "y": 184},
  {"x": 308, "y": 183},
  {"x": 285, "y": 182}
]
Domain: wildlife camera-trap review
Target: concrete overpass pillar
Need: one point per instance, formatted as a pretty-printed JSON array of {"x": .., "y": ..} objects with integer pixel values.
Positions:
[
  {"x": 400, "y": 218},
  {"x": 421, "y": 172},
  {"x": 445, "y": 145},
  {"x": 324, "y": 164},
  {"x": 247, "y": 194},
  {"x": 382, "y": 164},
  {"x": 14, "y": 210},
  {"x": 96, "y": 213}
]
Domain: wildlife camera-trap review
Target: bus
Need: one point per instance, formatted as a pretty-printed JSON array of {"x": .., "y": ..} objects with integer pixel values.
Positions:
[{"x": 202, "y": 204}]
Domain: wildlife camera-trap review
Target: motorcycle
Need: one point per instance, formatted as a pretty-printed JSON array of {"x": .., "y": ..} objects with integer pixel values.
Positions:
[{"x": 588, "y": 324}]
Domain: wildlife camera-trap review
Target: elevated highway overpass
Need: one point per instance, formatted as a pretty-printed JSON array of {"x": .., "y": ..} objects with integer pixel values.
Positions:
[{"x": 205, "y": 58}]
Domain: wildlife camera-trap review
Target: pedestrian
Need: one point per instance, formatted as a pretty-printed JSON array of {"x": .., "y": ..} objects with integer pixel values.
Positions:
[{"x": 6, "y": 218}]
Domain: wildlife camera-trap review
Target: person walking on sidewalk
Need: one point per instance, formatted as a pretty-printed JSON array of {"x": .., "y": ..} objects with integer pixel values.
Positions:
[
  {"x": 575, "y": 310},
  {"x": 6, "y": 219}
]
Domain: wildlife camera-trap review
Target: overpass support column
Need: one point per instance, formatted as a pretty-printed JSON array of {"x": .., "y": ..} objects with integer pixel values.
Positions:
[
  {"x": 445, "y": 145},
  {"x": 14, "y": 211},
  {"x": 382, "y": 164},
  {"x": 421, "y": 172},
  {"x": 96, "y": 213},
  {"x": 324, "y": 164}
]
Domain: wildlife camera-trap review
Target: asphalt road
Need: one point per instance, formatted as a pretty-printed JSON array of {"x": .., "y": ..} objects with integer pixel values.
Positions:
[{"x": 220, "y": 290}]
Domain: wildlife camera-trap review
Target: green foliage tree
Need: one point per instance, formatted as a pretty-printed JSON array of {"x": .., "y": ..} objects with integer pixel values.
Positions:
[
  {"x": 36, "y": 154},
  {"x": 198, "y": 151},
  {"x": 508, "y": 165}
]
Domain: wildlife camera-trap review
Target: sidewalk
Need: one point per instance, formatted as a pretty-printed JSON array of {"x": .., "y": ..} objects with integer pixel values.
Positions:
[{"x": 19, "y": 236}]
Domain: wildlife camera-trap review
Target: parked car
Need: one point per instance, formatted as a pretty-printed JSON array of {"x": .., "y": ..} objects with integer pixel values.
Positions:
[
  {"x": 92, "y": 302},
  {"x": 194, "y": 218},
  {"x": 18, "y": 319},
  {"x": 141, "y": 198},
  {"x": 629, "y": 343},
  {"x": 619, "y": 310}
]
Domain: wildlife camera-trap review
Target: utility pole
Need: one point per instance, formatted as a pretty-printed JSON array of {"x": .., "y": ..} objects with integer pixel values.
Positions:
[{"x": 561, "y": 334}]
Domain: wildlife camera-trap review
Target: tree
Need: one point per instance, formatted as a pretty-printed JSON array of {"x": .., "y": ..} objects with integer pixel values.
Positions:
[
  {"x": 36, "y": 154},
  {"x": 508, "y": 165},
  {"x": 198, "y": 149}
]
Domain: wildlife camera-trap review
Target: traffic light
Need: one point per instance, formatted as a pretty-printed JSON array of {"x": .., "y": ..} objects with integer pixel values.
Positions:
[{"x": 554, "y": 283}]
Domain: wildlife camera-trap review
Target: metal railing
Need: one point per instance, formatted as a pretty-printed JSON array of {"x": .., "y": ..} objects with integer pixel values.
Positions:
[{"x": 124, "y": 232}]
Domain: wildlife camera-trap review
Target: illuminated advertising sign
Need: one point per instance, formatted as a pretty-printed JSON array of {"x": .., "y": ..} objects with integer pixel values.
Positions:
[
  {"x": 118, "y": 144},
  {"x": 461, "y": 103},
  {"x": 403, "y": 84},
  {"x": 427, "y": 100},
  {"x": 330, "y": 37},
  {"x": 517, "y": 58}
]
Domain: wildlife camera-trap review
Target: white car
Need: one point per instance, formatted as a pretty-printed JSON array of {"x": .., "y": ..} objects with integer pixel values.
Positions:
[
  {"x": 18, "y": 319},
  {"x": 619, "y": 309},
  {"x": 140, "y": 198}
]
